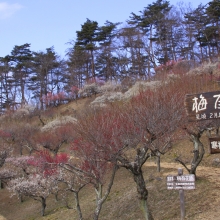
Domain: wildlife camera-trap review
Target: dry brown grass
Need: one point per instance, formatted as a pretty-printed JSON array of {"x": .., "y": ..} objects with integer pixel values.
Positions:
[{"x": 123, "y": 204}]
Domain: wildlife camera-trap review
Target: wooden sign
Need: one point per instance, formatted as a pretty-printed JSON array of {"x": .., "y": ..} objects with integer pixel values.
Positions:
[
  {"x": 181, "y": 182},
  {"x": 214, "y": 145},
  {"x": 203, "y": 106},
  {"x": 184, "y": 182}
]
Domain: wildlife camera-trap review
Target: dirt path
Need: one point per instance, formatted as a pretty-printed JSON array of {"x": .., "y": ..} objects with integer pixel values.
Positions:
[{"x": 211, "y": 173}]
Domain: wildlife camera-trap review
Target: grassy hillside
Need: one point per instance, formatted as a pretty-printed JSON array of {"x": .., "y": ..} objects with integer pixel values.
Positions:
[{"x": 122, "y": 203}]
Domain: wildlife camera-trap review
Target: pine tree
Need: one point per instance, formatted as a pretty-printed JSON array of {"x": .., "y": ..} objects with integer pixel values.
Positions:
[
  {"x": 20, "y": 59},
  {"x": 87, "y": 38}
]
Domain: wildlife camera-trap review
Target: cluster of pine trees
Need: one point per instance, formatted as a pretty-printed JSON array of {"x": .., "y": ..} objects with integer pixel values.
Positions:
[{"x": 158, "y": 34}]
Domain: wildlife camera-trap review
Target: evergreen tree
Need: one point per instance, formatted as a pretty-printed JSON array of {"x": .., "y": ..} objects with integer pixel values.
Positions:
[
  {"x": 45, "y": 68},
  {"x": 20, "y": 60},
  {"x": 152, "y": 21},
  {"x": 199, "y": 21},
  {"x": 87, "y": 38},
  {"x": 212, "y": 31},
  {"x": 7, "y": 90},
  {"x": 105, "y": 60},
  {"x": 78, "y": 67}
]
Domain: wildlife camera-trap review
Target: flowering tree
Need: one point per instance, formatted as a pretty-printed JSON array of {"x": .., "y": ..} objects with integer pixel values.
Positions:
[
  {"x": 91, "y": 87},
  {"x": 61, "y": 169},
  {"x": 36, "y": 186},
  {"x": 92, "y": 167},
  {"x": 22, "y": 137},
  {"x": 5, "y": 148},
  {"x": 53, "y": 99},
  {"x": 128, "y": 134},
  {"x": 6, "y": 174},
  {"x": 3, "y": 156},
  {"x": 157, "y": 114},
  {"x": 17, "y": 136},
  {"x": 74, "y": 92},
  {"x": 15, "y": 168},
  {"x": 106, "y": 138},
  {"x": 74, "y": 182},
  {"x": 41, "y": 180},
  {"x": 194, "y": 130},
  {"x": 53, "y": 139},
  {"x": 21, "y": 163}
]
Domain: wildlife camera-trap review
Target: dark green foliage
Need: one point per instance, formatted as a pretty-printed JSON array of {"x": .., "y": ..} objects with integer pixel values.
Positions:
[{"x": 156, "y": 35}]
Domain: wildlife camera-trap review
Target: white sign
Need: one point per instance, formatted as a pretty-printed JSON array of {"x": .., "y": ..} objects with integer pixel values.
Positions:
[{"x": 181, "y": 182}]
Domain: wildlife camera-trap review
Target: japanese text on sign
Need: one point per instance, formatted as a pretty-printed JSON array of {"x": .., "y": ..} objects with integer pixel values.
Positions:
[
  {"x": 203, "y": 106},
  {"x": 214, "y": 145},
  {"x": 181, "y": 178},
  {"x": 181, "y": 182}
]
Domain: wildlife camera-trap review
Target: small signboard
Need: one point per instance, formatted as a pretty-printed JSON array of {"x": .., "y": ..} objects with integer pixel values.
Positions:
[
  {"x": 185, "y": 182},
  {"x": 203, "y": 106},
  {"x": 214, "y": 145},
  {"x": 181, "y": 182}
]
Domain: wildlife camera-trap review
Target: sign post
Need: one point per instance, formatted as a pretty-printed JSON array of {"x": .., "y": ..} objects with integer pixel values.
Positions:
[
  {"x": 182, "y": 198},
  {"x": 181, "y": 182}
]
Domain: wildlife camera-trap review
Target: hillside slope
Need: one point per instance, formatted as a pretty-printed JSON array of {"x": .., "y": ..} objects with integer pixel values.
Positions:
[{"x": 122, "y": 203}]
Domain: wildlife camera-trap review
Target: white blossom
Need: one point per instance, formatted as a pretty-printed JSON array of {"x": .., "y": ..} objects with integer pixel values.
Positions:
[
  {"x": 141, "y": 86},
  {"x": 58, "y": 122},
  {"x": 34, "y": 185},
  {"x": 110, "y": 86}
]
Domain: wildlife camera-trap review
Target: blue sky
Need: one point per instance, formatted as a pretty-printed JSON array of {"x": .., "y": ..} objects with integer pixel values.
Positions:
[{"x": 46, "y": 23}]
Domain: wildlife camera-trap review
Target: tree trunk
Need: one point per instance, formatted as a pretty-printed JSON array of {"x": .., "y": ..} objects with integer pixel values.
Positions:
[
  {"x": 98, "y": 202},
  {"x": 21, "y": 199},
  {"x": 43, "y": 205},
  {"x": 93, "y": 65},
  {"x": 78, "y": 208},
  {"x": 198, "y": 154},
  {"x": 1, "y": 185},
  {"x": 158, "y": 161},
  {"x": 97, "y": 210},
  {"x": 142, "y": 194},
  {"x": 56, "y": 196},
  {"x": 100, "y": 199}
]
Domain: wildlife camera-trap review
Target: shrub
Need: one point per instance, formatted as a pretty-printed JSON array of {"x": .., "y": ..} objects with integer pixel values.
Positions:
[
  {"x": 24, "y": 111},
  {"x": 141, "y": 86},
  {"x": 58, "y": 122},
  {"x": 110, "y": 86},
  {"x": 107, "y": 97}
]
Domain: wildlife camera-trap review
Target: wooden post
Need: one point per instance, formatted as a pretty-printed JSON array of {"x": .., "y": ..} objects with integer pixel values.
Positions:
[
  {"x": 182, "y": 200},
  {"x": 181, "y": 182}
]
